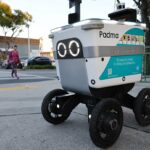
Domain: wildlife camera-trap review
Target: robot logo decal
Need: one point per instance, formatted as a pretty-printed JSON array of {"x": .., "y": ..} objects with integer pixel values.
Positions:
[{"x": 69, "y": 49}]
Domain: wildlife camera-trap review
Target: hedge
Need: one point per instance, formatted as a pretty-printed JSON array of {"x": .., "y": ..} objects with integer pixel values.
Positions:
[{"x": 41, "y": 67}]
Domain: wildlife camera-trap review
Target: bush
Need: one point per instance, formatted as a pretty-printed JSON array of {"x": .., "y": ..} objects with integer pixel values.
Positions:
[{"x": 41, "y": 67}]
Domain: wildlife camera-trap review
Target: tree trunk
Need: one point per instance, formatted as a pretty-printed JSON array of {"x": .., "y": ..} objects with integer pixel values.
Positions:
[
  {"x": 145, "y": 19},
  {"x": 147, "y": 37}
]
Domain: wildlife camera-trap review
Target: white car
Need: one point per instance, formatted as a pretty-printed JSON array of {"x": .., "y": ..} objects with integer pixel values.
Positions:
[
  {"x": 24, "y": 61},
  {"x": 6, "y": 65}
]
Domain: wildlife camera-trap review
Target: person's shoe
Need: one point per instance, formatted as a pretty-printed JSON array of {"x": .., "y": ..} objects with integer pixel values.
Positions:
[{"x": 17, "y": 77}]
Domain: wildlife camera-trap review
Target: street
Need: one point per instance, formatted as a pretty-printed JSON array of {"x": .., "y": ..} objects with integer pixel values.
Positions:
[{"x": 22, "y": 126}]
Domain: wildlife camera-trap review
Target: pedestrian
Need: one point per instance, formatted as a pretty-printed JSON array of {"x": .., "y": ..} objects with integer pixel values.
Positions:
[{"x": 14, "y": 60}]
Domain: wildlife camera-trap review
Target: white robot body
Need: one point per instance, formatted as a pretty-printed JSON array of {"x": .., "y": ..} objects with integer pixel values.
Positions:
[{"x": 95, "y": 54}]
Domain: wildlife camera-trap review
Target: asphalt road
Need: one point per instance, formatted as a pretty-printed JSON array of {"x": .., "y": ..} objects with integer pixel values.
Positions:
[{"x": 22, "y": 126}]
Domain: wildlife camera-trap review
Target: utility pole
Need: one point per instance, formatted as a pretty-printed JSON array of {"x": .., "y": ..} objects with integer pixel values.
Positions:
[{"x": 28, "y": 40}]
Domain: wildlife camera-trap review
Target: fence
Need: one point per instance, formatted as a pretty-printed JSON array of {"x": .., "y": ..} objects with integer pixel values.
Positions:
[{"x": 146, "y": 65}]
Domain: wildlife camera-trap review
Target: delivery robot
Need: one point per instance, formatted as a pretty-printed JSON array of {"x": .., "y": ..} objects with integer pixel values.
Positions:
[{"x": 98, "y": 62}]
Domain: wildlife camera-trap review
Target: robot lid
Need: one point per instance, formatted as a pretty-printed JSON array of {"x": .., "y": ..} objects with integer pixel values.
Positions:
[{"x": 95, "y": 23}]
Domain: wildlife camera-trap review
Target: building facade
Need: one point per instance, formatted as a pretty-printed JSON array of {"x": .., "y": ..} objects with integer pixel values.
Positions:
[
  {"x": 22, "y": 43},
  {"x": 47, "y": 54}
]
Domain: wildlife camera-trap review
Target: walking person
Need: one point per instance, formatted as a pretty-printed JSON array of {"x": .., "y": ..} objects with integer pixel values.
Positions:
[{"x": 14, "y": 59}]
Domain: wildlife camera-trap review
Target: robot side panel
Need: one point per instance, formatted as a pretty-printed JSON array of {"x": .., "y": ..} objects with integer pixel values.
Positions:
[{"x": 115, "y": 70}]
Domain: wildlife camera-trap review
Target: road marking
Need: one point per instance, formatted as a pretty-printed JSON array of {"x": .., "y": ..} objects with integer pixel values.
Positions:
[{"x": 17, "y": 88}]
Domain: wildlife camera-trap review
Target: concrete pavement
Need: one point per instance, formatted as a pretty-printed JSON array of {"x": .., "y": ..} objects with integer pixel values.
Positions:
[
  {"x": 22, "y": 126},
  {"x": 25, "y": 76}
]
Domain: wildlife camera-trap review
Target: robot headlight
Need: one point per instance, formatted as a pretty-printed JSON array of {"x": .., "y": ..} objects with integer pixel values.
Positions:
[
  {"x": 62, "y": 50},
  {"x": 74, "y": 48},
  {"x": 69, "y": 49}
]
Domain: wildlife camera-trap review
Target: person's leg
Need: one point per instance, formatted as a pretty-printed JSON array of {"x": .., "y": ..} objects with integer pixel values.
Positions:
[
  {"x": 15, "y": 71},
  {"x": 12, "y": 70},
  {"x": 12, "y": 73}
]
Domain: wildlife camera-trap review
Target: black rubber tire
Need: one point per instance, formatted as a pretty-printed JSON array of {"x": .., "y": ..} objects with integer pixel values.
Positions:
[
  {"x": 139, "y": 111},
  {"x": 45, "y": 104},
  {"x": 96, "y": 124}
]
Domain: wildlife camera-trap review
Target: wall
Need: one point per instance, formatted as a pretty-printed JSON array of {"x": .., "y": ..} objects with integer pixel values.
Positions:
[{"x": 22, "y": 44}]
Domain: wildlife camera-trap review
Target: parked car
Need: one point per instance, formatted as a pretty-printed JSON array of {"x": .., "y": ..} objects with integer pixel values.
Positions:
[
  {"x": 24, "y": 61},
  {"x": 6, "y": 65},
  {"x": 39, "y": 60},
  {"x": 1, "y": 62}
]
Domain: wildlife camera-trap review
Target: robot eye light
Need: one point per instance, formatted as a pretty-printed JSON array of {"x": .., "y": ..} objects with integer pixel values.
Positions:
[
  {"x": 74, "y": 48},
  {"x": 61, "y": 48},
  {"x": 70, "y": 48}
]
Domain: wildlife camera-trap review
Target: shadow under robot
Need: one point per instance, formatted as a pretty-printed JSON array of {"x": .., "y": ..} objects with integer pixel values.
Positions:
[{"x": 98, "y": 62}]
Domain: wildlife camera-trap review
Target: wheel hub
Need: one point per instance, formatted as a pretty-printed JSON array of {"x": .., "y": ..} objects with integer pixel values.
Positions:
[
  {"x": 110, "y": 123},
  {"x": 53, "y": 108},
  {"x": 147, "y": 108},
  {"x": 113, "y": 124}
]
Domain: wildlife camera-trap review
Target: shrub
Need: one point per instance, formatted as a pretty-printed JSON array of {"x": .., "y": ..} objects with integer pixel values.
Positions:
[{"x": 41, "y": 67}]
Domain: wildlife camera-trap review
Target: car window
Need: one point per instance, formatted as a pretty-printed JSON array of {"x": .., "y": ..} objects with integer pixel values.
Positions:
[
  {"x": 24, "y": 58},
  {"x": 38, "y": 58},
  {"x": 46, "y": 59},
  {"x": 31, "y": 58}
]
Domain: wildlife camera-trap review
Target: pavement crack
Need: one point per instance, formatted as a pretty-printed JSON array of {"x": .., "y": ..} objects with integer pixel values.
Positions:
[
  {"x": 37, "y": 113},
  {"x": 13, "y": 115}
]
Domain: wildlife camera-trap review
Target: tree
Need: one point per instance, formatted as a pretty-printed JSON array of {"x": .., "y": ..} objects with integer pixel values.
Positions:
[
  {"x": 12, "y": 20},
  {"x": 144, "y": 6},
  {"x": 5, "y": 16},
  {"x": 19, "y": 19}
]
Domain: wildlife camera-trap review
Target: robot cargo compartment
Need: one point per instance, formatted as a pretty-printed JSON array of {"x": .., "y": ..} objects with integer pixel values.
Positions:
[
  {"x": 98, "y": 58},
  {"x": 78, "y": 75}
]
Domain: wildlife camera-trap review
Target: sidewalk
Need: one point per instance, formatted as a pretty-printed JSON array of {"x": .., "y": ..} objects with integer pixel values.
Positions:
[
  {"x": 23, "y": 127},
  {"x": 5, "y": 77},
  {"x": 32, "y": 95},
  {"x": 146, "y": 78}
]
